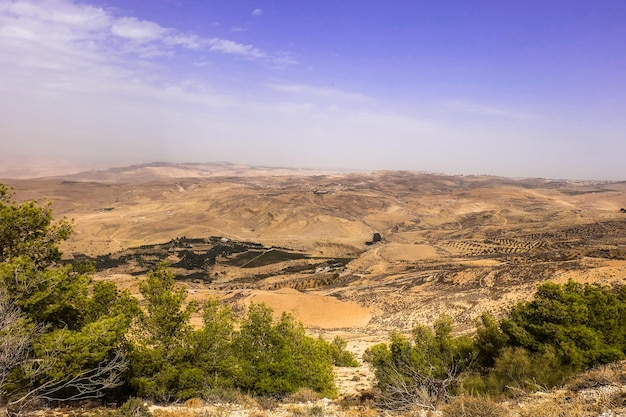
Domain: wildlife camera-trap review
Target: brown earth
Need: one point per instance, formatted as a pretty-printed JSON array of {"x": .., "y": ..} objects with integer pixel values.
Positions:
[{"x": 455, "y": 244}]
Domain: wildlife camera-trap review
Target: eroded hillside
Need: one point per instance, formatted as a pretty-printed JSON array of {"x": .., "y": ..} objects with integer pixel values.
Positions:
[{"x": 455, "y": 244}]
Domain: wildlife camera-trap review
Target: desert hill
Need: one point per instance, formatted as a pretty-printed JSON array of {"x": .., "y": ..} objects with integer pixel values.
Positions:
[
  {"x": 164, "y": 170},
  {"x": 455, "y": 244}
]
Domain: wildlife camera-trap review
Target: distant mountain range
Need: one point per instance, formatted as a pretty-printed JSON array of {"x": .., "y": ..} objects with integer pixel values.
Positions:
[
  {"x": 161, "y": 170},
  {"x": 157, "y": 171}
]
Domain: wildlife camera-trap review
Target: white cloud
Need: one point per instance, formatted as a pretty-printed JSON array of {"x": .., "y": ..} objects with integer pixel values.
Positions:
[
  {"x": 137, "y": 30},
  {"x": 70, "y": 88},
  {"x": 65, "y": 24},
  {"x": 59, "y": 12},
  {"x": 229, "y": 47},
  {"x": 186, "y": 41},
  {"x": 71, "y": 78},
  {"x": 16, "y": 32},
  {"x": 257, "y": 12}
]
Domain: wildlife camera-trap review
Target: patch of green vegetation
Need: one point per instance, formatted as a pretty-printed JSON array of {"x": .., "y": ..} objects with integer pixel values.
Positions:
[
  {"x": 272, "y": 257},
  {"x": 194, "y": 276},
  {"x": 244, "y": 258},
  {"x": 424, "y": 370},
  {"x": 341, "y": 356},
  {"x": 61, "y": 337},
  {"x": 195, "y": 254},
  {"x": 292, "y": 269},
  {"x": 66, "y": 338},
  {"x": 255, "y": 259},
  {"x": 172, "y": 361},
  {"x": 563, "y": 330}
]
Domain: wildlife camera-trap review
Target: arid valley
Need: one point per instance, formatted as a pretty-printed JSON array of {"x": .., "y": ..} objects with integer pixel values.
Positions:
[{"x": 350, "y": 254}]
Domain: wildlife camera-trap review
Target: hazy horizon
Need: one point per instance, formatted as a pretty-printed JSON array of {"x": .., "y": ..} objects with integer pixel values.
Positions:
[{"x": 532, "y": 89}]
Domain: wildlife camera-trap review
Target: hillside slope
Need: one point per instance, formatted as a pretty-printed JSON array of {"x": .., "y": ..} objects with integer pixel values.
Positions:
[{"x": 455, "y": 244}]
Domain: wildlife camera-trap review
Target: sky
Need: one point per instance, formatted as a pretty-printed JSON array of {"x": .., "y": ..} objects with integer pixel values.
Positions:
[{"x": 512, "y": 88}]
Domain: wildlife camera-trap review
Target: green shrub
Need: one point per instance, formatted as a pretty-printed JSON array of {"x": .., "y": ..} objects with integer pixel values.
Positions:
[
  {"x": 162, "y": 366},
  {"x": 316, "y": 411},
  {"x": 222, "y": 395},
  {"x": 277, "y": 359},
  {"x": 562, "y": 330},
  {"x": 422, "y": 372},
  {"x": 489, "y": 340},
  {"x": 133, "y": 407},
  {"x": 342, "y": 357},
  {"x": 518, "y": 370},
  {"x": 582, "y": 324},
  {"x": 55, "y": 345},
  {"x": 266, "y": 358}
]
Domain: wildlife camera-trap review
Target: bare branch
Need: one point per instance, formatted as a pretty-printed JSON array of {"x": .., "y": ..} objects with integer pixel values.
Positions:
[
  {"x": 16, "y": 338},
  {"x": 87, "y": 384},
  {"x": 406, "y": 387}
]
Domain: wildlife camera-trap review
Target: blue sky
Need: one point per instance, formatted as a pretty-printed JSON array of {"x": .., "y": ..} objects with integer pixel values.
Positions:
[{"x": 513, "y": 88}]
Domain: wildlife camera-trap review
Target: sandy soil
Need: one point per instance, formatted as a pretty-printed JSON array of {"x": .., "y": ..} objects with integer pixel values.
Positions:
[{"x": 314, "y": 311}]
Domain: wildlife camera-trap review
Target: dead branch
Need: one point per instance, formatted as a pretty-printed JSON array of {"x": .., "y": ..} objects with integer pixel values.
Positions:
[{"x": 87, "y": 384}]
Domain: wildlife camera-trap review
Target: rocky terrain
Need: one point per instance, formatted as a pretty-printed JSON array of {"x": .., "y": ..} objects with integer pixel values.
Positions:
[{"x": 351, "y": 254}]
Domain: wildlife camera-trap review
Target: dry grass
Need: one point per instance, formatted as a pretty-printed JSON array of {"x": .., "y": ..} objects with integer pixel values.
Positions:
[
  {"x": 215, "y": 412},
  {"x": 267, "y": 403},
  {"x": 361, "y": 412},
  {"x": 468, "y": 406},
  {"x": 194, "y": 403},
  {"x": 604, "y": 401},
  {"x": 316, "y": 410},
  {"x": 616, "y": 401},
  {"x": 179, "y": 412},
  {"x": 555, "y": 407},
  {"x": 297, "y": 410},
  {"x": 227, "y": 395},
  {"x": 303, "y": 395},
  {"x": 366, "y": 399},
  {"x": 611, "y": 374}
]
